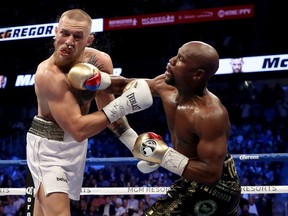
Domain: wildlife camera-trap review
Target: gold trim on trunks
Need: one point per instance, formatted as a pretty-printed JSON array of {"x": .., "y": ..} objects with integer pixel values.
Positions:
[{"x": 46, "y": 129}]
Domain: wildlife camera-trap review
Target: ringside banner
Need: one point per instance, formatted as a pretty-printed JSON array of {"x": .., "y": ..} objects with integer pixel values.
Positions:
[
  {"x": 39, "y": 31},
  {"x": 265, "y": 63},
  {"x": 179, "y": 17},
  {"x": 254, "y": 64},
  {"x": 135, "y": 21}
]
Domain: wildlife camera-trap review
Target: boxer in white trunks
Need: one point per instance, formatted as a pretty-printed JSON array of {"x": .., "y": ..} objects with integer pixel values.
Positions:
[{"x": 57, "y": 139}]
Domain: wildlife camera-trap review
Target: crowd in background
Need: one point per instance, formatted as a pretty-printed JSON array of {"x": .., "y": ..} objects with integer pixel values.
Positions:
[
  {"x": 258, "y": 122},
  {"x": 258, "y": 115}
]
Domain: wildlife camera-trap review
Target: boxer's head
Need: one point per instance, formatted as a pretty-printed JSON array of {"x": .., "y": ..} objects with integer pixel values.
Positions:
[
  {"x": 72, "y": 35},
  {"x": 193, "y": 66}
]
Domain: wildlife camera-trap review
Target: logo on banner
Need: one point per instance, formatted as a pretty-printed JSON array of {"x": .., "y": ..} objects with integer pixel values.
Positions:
[{"x": 23, "y": 32}]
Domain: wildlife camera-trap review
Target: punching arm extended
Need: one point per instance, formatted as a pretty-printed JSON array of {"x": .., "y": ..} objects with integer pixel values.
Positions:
[{"x": 137, "y": 98}]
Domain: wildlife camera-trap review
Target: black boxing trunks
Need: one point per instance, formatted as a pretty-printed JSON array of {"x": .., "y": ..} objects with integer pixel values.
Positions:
[{"x": 187, "y": 198}]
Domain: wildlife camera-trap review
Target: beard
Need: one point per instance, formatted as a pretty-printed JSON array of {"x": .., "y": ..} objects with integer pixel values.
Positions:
[
  {"x": 170, "y": 81},
  {"x": 64, "y": 63}
]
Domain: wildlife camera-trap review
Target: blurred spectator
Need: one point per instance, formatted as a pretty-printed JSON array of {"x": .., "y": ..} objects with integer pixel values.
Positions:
[
  {"x": 133, "y": 202},
  {"x": 108, "y": 208},
  {"x": 264, "y": 205},
  {"x": 102, "y": 182},
  {"x": 121, "y": 180},
  {"x": 141, "y": 207},
  {"x": 92, "y": 211},
  {"x": 253, "y": 209},
  {"x": 19, "y": 202},
  {"x": 3, "y": 81},
  {"x": 83, "y": 207},
  {"x": 245, "y": 211},
  {"x": 269, "y": 174},
  {"x": 9, "y": 208},
  {"x": 98, "y": 200},
  {"x": 1, "y": 208},
  {"x": 120, "y": 210}
]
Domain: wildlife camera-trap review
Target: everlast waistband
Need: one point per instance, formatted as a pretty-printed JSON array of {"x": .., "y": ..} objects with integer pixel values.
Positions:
[{"x": 46, "y": 129}]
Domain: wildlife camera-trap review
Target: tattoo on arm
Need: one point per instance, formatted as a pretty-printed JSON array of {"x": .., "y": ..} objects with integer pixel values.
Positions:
[
  {"x": 120, "y": 126},
  {"x": 94, "y": 61}
]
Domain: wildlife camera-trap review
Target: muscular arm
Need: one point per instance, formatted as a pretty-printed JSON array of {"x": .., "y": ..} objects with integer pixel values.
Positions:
[
  {"x": 211, "y": 150},
  {"x": 104, "y": 63},
  {"x": 118, "y": 83},
  {"x": 60, "y": 102},
  {"x": 56, "y": 101}
]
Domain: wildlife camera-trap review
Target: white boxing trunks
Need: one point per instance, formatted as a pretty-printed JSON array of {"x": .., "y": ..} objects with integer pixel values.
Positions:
[{"x": 55, "y": 159}]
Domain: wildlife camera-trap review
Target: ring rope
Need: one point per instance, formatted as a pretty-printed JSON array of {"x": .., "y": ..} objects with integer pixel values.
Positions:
[
  {"x": 132, "y": 160},
  {"x": 265, "y": 189}
]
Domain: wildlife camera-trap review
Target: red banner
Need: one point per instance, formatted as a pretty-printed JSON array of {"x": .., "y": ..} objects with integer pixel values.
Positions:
[{"x": 179, "y": 17}]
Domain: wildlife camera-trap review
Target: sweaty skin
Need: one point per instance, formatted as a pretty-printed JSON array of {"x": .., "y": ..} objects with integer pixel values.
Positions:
[
  {"x": 59, "y": 102},
  {"x": 199, "y": 126},
  {"x": 198, "y": 122}
]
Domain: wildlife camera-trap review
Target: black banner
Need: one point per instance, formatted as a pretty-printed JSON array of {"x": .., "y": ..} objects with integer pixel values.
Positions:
[{"x": 29, "y": 194}]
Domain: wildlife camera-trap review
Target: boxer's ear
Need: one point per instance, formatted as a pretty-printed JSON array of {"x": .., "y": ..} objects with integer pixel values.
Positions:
[
  {"x": 200, "y": 73},
  {"x": 90, "y": 39}
]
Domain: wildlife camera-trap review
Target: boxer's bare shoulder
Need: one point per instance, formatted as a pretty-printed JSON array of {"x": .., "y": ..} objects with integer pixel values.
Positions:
[{"x": 100, "y": 59}]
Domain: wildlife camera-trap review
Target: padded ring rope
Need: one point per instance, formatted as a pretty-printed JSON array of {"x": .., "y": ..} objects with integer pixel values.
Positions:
[
  {"x": 133, "y": 161},
  {"x": 265, "y": 189}
]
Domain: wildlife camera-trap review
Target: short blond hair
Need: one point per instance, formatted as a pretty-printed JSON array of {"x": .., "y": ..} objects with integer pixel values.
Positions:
[{"x": 78, "y": 15}]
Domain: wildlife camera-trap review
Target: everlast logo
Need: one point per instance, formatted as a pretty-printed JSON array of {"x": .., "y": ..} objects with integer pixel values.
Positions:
[
  {"x": 133, "y": 101},
  {"x": 275, "y": 63},
  {"x": 61, "y": 179}
]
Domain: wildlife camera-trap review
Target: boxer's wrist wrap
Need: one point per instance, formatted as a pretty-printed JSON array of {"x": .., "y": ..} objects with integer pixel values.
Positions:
[
  {"x": 174, "y": 161},
  {"x": 105, "y": 81},
  {"x": 114, "y": 111},
  {"x": 128, "y": 138}
]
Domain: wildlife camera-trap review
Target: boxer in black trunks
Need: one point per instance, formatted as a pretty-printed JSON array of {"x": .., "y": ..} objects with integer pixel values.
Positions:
[
  {"x": 193, "y": 198},
  {"x": 199, "y": 126}
]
